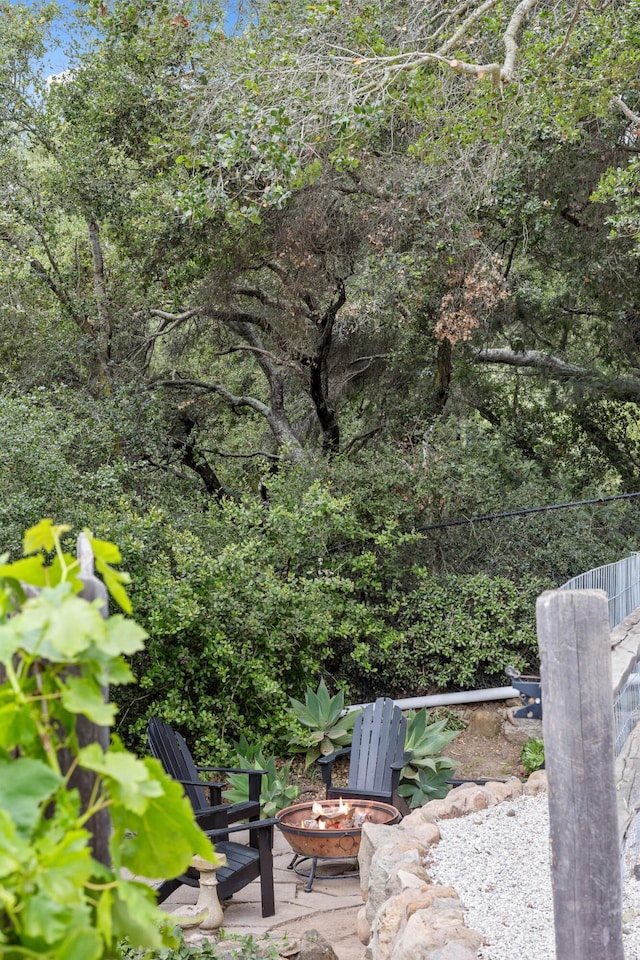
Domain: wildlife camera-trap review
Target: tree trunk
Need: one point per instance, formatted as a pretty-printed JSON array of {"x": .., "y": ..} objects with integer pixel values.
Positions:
[
  {"x": 101, "y": 328},
  {"x": 275, "y": 414},
  {"x": 325, "y": 413},
  {"x": 184, "y": 441},
  {"x": 443, "y": 376},
  {"x": 319, "y": 376}
]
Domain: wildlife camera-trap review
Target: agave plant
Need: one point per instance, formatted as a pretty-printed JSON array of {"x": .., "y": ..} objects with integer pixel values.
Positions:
[
  {"x": 325, "y": 727},
  {"x": 425, "y": 777},
  {"x": 276, "y": 791}
]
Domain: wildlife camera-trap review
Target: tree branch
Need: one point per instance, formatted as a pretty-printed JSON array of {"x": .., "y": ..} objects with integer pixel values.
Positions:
[
  {"x": 260, "y": 351},
  {"x": 381, "y": 71},
  {"x": 356, "y": 443},
  {"x": 233, "y": 400},
  {"x": 174, "y": 318},
  {"x": 619, "y": 388},
  {"x": 368, "y": 360},
  {"x": 630, "y": 140},
  {"x": 629, "y": 114},
  {"x": 257, "y": 294},
  {"x": 248, "y": 456},
  {"x": 275, "y": 417},
  {"x": 41, "y": 272}
]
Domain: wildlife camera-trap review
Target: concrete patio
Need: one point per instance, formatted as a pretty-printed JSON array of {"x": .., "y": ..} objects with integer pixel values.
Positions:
[{"x": 330, "y": 907}]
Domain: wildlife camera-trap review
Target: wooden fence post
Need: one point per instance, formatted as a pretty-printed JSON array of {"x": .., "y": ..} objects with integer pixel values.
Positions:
[
  {"x": 88, "y": 732},
  {"x": 574, "y": 640}
]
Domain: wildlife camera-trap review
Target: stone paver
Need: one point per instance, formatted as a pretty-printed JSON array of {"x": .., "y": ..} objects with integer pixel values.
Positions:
[{"x": 330, "y": 907}]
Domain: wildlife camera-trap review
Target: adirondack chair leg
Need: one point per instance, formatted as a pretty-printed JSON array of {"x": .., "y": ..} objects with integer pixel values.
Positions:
[{"x": 266, "y": 874}]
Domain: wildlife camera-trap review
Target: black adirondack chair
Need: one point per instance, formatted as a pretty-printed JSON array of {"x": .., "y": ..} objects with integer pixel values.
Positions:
[
  {"x": 169, "y": 747},
  {"x": 245, "y": 862},
  {"x": 377, "y": 756}
]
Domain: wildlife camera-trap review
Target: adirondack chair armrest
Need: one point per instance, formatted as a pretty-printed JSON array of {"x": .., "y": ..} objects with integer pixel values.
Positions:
[
  {"x": 250, "y": 770},
  {"x": 215, "y": 788},
  {"x": 330, "y": 757},
  {"x": 326, "y": 764},
  {"x": 221, "y": 832},
  {"x": 399, "y": 764},
  {"x": 219, "y": 817},
  {"x": 200, "y": 783},
  {"x": 346, "y": 793}
]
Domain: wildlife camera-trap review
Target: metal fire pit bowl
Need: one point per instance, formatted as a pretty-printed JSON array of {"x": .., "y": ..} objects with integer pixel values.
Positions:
[{"x": 330, "y": 843}]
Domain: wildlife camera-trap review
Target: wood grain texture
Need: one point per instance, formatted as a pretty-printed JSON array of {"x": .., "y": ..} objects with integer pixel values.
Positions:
[{"x": 573, "y": 635}]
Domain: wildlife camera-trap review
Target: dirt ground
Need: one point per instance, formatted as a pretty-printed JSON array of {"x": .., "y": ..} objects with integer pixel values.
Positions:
[
  {"x": 477, "y": 755},
  {"x": 484, "y": 756}
]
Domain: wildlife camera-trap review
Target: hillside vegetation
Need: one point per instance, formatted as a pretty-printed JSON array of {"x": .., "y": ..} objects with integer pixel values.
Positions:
[{"x": 281, "y": 299}]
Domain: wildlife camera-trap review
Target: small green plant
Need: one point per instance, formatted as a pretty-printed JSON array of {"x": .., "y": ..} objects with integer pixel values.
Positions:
[
  {"x": 244, "y": 948},
  {"x": 57, "y": 653},
  {"x": 425, "y": 777},
  {"x": 276, "y": 791},
  {"x": 532, "y": 754},
  {"x": 325, "y": 727}
]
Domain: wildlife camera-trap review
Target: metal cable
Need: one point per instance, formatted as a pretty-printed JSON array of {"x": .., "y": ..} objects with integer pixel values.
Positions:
[{"x": 525, "y": 511}]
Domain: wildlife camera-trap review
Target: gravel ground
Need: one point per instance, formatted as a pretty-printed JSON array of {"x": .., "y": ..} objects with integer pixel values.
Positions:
[{"x": 498, "y": 862}]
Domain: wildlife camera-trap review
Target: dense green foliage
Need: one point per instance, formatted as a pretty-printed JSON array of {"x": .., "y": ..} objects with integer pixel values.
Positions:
[
  {"x": 57, "y": 654},
  {"x": 242, "y": 948},
  {"x": 279, "y": 300}
]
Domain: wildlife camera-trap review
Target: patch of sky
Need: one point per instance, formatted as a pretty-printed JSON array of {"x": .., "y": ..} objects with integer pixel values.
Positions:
[
  {"x": 66, "y": 41},
  {"x": 63, "y": 39}
]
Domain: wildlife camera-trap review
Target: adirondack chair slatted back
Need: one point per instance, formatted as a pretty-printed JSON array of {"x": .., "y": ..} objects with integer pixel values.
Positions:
[
  {"x": 378, "y": 742},
  {"x": 169, "y": 747}
]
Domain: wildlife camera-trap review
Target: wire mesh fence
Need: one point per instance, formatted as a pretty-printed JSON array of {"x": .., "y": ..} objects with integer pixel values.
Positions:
[
  {"x": 621, "y": 583},
  {"x": 626, "y": 709}
]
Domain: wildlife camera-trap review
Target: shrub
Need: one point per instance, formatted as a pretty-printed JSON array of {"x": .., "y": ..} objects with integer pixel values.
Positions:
[
  {"x": 234, "y": 626},
  {"x": 458, "y": 631}
]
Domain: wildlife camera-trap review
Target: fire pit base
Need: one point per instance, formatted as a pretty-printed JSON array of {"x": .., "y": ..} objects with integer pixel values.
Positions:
[{"x": 312, "y": 873}]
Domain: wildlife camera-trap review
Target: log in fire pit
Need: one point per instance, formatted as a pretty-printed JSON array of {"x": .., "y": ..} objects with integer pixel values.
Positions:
[{"x": 329, "y": 830}]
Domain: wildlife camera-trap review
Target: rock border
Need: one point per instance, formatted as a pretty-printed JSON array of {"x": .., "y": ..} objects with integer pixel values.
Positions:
[{"x": 406, "y": 916}]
